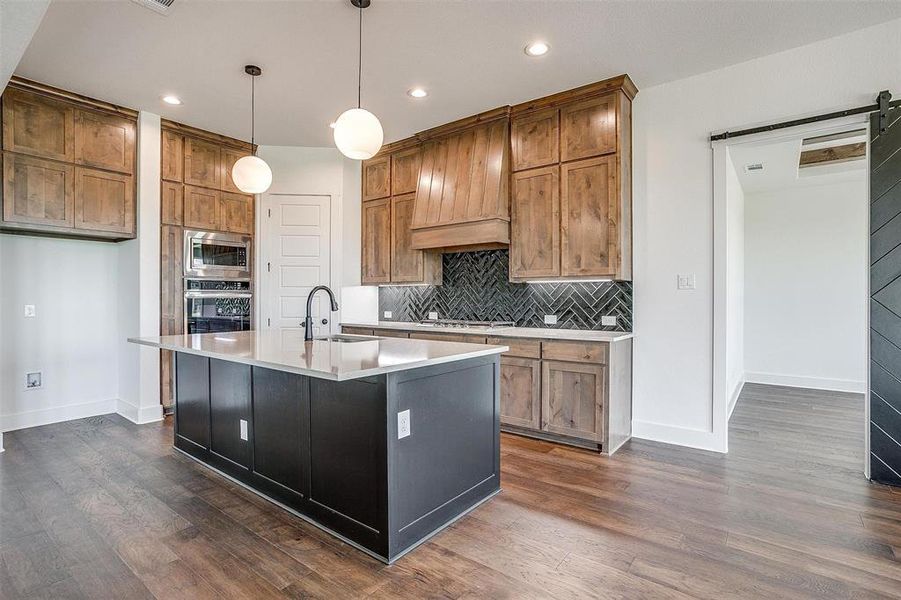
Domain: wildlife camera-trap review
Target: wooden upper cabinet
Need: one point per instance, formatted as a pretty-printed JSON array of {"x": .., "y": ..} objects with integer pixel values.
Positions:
[
  {"x": 406, "y": 263},
  {"x": 535, "y": 139},
  {"x": 37, "y": 125},
  {"x": 535, "y": 224},
  {"x": 589, "y": 215},
  {"x": 376, "y": 178},
  {"x": 376, "y": 251},
  {"x": 202, "y": 208},
  {"x": 588, "y": 128},
  {"x": 172, "y": 203},
  {"x": 237, "y": 213},
  {"x": 409, "y": 265},
  {"x": 202, "y": 163},
  {"x": 173, "y": 156},
  {"x": 520, "y": 392},
  {"x": 229, "y": 157},
  {"x": 39, "y": 192},
  {"x": 573, "y": 399},
  {"x": 405, "y": 171},
  {"x": 104, "y": 141},
  {"x": 104, "y": 201}
]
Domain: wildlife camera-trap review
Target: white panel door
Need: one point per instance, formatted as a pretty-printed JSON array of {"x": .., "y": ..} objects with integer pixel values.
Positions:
[{"x": 296, "y": 239}]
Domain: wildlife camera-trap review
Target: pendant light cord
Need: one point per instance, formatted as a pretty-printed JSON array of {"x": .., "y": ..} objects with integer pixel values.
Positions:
[
  {"x": 360, "y": 62},
  {"x": 253, "y": 95}
]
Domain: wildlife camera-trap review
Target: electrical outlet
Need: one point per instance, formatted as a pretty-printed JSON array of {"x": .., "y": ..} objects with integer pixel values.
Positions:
[
  {"x": 403, "y": 424},
  {"x": 30, "y": 311},
  {"x": 33, "y": 380},
  {"x": 433, "y": 315},
  {"x": 685, "y": 282},
  {"x": 608, "y": 321},
  {"x": 387, "y": 314},
  {"x": 243, "y": 427},
  {"x": 550, "y": 319}
]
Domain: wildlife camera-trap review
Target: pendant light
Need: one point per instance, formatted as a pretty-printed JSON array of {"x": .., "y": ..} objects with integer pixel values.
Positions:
[
  {"x": 358, "y": 133},
  {"x": 251, "y": 173}
]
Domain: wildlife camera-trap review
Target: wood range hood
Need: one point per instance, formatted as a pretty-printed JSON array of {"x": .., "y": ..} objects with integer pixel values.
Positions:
[{"x": 462, "y": 195}]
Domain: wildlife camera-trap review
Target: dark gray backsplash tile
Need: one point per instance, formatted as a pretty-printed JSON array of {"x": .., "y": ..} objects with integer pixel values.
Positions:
[{"x": 476, "y": 288}]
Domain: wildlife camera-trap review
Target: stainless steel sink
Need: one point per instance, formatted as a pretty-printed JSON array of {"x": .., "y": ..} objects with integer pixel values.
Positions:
[{"x": 347, "y": 339}]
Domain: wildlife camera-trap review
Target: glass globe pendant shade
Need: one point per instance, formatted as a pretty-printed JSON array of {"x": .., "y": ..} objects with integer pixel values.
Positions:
[
  {"x": 358, "y": 134},
  {"x": 252, "y": 175}
]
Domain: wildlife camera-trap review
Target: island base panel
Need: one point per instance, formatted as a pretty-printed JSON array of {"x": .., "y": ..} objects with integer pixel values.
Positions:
[{"x": 329, "y": 451}]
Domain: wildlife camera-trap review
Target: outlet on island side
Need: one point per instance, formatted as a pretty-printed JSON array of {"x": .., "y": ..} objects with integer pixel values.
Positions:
[{"x": 403, "y": 424}]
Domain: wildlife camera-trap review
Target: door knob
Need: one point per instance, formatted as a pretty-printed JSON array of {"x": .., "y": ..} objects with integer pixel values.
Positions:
[{"x": 325, "y": 321}]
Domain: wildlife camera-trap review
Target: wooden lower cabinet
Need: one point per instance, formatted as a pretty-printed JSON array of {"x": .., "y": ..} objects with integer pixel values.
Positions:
[
  {"x": 573, "y": 398},
  {"x": 521, "y": 392},
  {"x": 172, "y": 309}
]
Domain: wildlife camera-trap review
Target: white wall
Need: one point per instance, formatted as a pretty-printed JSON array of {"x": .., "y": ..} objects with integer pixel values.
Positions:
[
  {"x": 806, "y": 283},
  {"x": 72, "y": 340},
  {"x": 300, "y": 170},
  {"x": 735, "y": 284},
  {"x": 673, "y": 205},
  {"x": 139, "y": 287}
]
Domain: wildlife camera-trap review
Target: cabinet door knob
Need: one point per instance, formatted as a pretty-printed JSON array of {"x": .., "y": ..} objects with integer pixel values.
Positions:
[{"x": 325, "y": 321}]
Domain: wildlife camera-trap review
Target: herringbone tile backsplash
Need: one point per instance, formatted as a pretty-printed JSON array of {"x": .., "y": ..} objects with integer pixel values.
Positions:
[{"x": 476, "y": 288}]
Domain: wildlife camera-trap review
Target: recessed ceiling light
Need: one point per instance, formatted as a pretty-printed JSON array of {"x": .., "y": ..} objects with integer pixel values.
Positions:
[
  {"x": 332, "y": 124},
  {"x": 537, "y": 49},
  {"x": 174, "y": 100},
  {"x": 417, "y": 93}
]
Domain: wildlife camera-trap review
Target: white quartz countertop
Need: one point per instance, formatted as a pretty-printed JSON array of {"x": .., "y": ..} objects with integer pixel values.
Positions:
[
  {"x": 338, "y": 361},
  {"x": 582, "y": 335}
]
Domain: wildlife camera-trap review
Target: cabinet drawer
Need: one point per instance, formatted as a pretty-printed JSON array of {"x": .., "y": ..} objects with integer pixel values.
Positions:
[
  {"x": 577, "y": 351},
  {"x": 356, "y": 331},
  {"x": 393, "y": 333},
  {"x": 439, "y": 337},
  {"x": 522, "y": 348}
]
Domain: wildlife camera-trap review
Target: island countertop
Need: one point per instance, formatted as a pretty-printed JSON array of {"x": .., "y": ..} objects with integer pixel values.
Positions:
[{"x": 321, "y": 358}]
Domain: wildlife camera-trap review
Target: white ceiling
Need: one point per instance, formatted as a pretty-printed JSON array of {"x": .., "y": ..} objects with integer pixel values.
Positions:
[
  {"x": 780, "y": 167},
  {"x": 468, "y": 54}
]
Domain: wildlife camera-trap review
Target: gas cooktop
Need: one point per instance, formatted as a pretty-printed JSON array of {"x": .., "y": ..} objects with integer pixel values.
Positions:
[{"x": 463, "y": 324}]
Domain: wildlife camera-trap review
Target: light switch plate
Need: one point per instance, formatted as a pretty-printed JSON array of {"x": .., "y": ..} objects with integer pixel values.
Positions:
[
  {"x": 685, "y": 282},
  {"x": 550, "y": 319},
  {"x": 433, "y": 315},
  {"x": 608, "y": 321},
  {"x": 403, "y": 424},
  {"x": 243, "y": 426},
  {"x": 30, "y": 311},
  {"x": 387, "y": 314}
]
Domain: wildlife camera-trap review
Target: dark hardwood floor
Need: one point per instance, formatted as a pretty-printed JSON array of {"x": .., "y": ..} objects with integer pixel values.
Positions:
[{"x": 102, "y": 508}]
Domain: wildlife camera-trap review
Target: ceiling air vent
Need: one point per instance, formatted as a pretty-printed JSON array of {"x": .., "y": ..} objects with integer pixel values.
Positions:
[
  {"x": 754, "y": 168},
  {"x": 161, "y": 6}
]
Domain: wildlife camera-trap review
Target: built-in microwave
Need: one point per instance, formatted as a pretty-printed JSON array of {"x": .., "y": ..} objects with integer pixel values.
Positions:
[{"x": 225, "y": 256}]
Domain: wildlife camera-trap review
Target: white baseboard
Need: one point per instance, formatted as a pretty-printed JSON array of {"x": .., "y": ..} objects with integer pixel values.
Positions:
[
  {"x": 148, "y": 414},
  {"x": 733, "y": 399},
  {"x": 802, "y": 381},
  {"x": 680, "y": 436},
  {"x": 46, "y": 416}
]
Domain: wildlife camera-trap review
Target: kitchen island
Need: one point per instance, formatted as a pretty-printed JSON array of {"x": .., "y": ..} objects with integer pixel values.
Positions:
[{"x": 380, "y": 441}]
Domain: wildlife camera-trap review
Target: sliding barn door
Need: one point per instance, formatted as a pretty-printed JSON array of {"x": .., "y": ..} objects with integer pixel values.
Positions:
[{"x": 885, "y": 298}]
